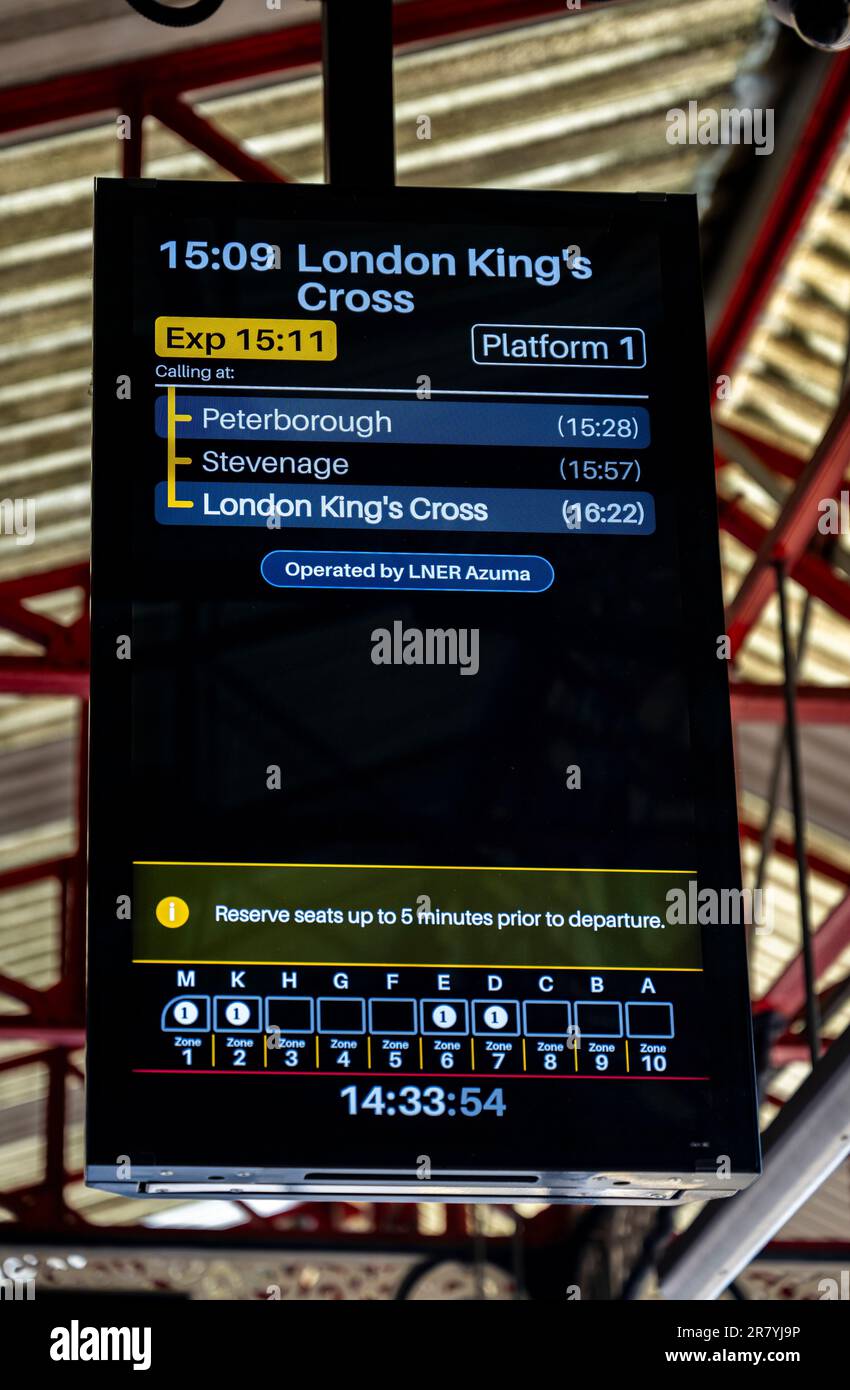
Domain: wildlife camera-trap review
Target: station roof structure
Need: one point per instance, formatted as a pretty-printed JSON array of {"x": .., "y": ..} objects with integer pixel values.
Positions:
[{"x": 520, "y": 94}]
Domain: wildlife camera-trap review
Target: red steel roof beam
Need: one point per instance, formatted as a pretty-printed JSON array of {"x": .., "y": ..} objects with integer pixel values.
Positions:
[
  {"x": 777, "y": 460},
  {"x": 811, "y": 570},
  {"x": 807, "y": 170},
  {"x": 25, "y": 675},
  {"x": 34, "y": 873},
  {"x": 16, "y": 989},
  {"x": 787, "y": 995},
  {"x": 785, "y": 1051},
  {"x": 212, "y": 65},
  {"x": 755, "y": 703},
  {"x": 98, "y": 90},
  {"x": 44, "y": 582},
  {"x": 817, "y": 863},
  {"x": 198, "y": 131},
  {"x": 19, "y": 1029},
  {"x": 35, "y": 627},
  {"x": 794, "y": 527}
]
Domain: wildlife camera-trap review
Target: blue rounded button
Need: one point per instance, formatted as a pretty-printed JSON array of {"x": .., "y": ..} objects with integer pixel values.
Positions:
[{"x": 375, "y": 569}]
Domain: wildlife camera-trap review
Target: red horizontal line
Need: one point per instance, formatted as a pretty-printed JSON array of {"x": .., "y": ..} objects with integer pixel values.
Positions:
[
  {"x": 411, "y": 1075},
  {"x": 252, "y": 55}
]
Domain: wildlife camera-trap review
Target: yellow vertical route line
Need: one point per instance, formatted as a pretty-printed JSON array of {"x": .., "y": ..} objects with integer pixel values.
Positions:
[
  {"x": 575, "y": 1053},
  {"x": 421, "y": 1062},
  {"x": 317, "y": 1052},
  {"x": 173, "y": 458},
  {"x": 213, "y": 1049},
  {"x": 265, "y": 1049},
  {"x": 627, "y": 1054},
  {"x": 472, "y": 1050},
  {"x": 369, "y": 1052},
  {"x": 524, "y": 1059}
]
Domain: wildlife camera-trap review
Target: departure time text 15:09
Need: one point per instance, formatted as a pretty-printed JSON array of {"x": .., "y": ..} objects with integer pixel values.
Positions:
[{"x": 422, "y": 1100}]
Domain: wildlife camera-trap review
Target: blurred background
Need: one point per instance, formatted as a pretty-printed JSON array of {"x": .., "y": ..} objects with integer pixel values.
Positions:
[{"x": 520, "y": 94}]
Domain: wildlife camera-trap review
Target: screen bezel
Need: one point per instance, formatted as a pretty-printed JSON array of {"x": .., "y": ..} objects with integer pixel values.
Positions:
[{"x": 673, "y": 218}]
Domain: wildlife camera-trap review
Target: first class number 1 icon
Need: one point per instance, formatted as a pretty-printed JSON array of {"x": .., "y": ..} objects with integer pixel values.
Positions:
[
  {"x": 496, "y": 1017},
  {"x": 172, "y": 912},
  {"x": 445, "y": 1016}
]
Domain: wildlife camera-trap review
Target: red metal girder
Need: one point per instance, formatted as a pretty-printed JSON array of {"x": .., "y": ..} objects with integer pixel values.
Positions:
[
  {"x": 787, "y": 996},
  {"x": 788, "y": 1050},
  {"x": 16, "y": 989},
  {"x": 35, "y": 627},
  {"x": 255, "y": 55},
  {"x": 74, "y": 903},
  {"x": 777, "y": 460},
  {"x": 41, "y": 1205},
  {"x": 33, "y": 873},
  {"x": 27, "y": 675},
  {"x": 14, "y": 1027},
  {"x": 810, "y": 570},
  {"x": 765, "y": 704},
  {"x": 817, "y": 863},
  {"x": 794, "y": 527},
  {"x": 63, "y": 668},
  {"x": 24, "y": 1059},
  {"x": 55, "y": 1172},
  {"x": 305, "y": 1227},
  {"x": 44, "y": 582},
  {"x": 821, "y": 477},
  {"x": 78, "y": 644},
  {"x": 783, "y": 1053},
  {"x": 795, "y": 1039},
  {"x": 175, "y": 113},
  {"x": 806, "y": 172},
  {"x": 101, "y": 89}
]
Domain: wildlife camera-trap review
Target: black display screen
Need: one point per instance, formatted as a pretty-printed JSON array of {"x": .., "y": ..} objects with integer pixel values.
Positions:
[{"x": 408, "y": 719}]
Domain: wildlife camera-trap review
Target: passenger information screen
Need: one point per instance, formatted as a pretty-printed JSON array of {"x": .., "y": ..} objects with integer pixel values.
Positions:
[{"x": 410, "y": 732}]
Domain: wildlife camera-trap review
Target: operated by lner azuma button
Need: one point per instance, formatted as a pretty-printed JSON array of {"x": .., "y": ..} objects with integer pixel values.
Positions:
[
  {"x": 404, "y": 569},
  {"x": 556, "y": 345}
]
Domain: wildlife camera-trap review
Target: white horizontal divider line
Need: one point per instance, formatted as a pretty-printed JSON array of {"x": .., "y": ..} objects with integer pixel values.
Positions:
[{"x": 185, "y": 387}]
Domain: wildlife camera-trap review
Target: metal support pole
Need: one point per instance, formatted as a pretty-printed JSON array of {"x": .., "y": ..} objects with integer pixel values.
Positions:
[
  {"x": 132, "y": 147},
  {"x": 779, "y": 757},
  {"x": 807, "y": 1141},
  {"x": 359, "y": 116},
  {"x": 792, "y": 731}
]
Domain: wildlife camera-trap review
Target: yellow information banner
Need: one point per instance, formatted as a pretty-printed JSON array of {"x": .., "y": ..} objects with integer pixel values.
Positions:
[{"x": 287, "y": 340}]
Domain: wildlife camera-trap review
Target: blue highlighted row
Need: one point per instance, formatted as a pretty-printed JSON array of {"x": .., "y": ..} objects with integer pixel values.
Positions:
[
  {"x": 394, "y": 569},
  {"x": 337, "y": 420},
  {"x": 371, "y": 508}
]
